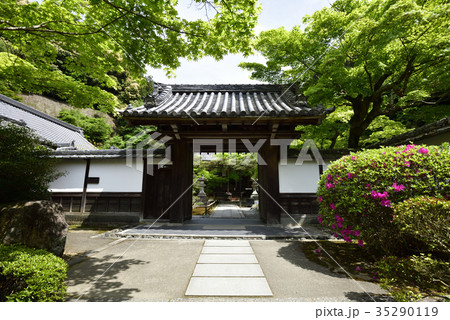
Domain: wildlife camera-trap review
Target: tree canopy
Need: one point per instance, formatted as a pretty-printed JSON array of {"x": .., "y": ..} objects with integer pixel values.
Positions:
[
  {"x": 369, "y": 58},
  {"x": 26, "y": 168},
  {"x": 81, "y": 48}
]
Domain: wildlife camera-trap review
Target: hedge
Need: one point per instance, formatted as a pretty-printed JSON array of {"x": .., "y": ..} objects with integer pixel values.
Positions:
[
  {"x": 31, "y": 275},
  {"x": 358, "y": 192}
]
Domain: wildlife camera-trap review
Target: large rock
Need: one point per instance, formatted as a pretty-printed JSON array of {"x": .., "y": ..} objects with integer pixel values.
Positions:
[{"x": 36, "y": 224}]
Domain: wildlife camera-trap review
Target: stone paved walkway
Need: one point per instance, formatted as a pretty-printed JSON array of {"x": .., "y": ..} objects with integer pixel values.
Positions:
[
  {"x": 227, "y": 211},
  {"x": 228, "y": 268},
  {"x": 228, "y": 221}
]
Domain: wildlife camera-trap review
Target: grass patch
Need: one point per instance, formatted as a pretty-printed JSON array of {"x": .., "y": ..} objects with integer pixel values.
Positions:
[{"x": 200, "y": 211}]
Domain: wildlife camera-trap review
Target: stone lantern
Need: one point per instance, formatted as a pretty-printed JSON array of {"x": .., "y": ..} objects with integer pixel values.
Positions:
[
  {"x": 255, "y": 195},
  {"x": 201, "y": 194}
]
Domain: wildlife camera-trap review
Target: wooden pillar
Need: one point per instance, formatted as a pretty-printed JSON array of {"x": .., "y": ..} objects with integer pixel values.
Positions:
[
  {"x": 181, "y": 181},
  {"x": 144, "y": 188},
  {"x": 268, "y": 178},
  {"x": 85, "y": 184},
  {"x": 189, "y": 174}
]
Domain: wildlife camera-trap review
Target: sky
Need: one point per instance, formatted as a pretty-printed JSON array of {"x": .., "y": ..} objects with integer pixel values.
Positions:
[{"x": 275, "y": 14}]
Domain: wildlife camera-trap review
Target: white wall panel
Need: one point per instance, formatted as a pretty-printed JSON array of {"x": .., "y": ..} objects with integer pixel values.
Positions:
[
  {"x": 73, "y": 178},
  {"x": 115, "y": 176},
  {"x": 302, "y": 178}
]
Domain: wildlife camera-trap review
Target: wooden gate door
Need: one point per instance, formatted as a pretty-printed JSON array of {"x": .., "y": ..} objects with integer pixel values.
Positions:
[{"x": 158, "y": 193}]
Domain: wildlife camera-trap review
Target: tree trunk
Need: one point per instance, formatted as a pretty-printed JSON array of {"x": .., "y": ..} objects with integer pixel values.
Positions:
[
  {"x": 354, "y": 136},
  {"x": 357, "y": 122}
]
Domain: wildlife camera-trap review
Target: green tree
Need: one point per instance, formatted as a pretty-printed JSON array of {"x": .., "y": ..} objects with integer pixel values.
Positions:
[
  {"x": 378, "y": 57},
  {"x": 225, "y": 169},
  {"x": 26, "y": 168},
  {"x": 96, "y": 130},
  {"x": 94, "y": 41}
]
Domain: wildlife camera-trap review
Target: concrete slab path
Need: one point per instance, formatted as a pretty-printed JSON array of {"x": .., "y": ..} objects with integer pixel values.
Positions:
[
  {"x": 161, "y": 270},
  {"x": 228, "y": 268}
]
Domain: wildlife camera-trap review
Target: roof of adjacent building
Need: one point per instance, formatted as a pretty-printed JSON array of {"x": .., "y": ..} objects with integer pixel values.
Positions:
[
  {"x": 49, "y": 129},
  {"x": 224, "y": 101},
  {"x": 108, "y": 154},
  {"x": 441, "y": 127}
]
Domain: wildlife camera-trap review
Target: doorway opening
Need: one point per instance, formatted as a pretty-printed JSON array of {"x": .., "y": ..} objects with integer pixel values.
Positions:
[{"x": 226, "y": 186}]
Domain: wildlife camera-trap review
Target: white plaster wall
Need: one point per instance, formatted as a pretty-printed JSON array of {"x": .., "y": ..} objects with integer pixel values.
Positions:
[
  {"x": 73, "y": 178},
  {"x": 299, "y": 178},
  {"x": 115, "y": 176}
]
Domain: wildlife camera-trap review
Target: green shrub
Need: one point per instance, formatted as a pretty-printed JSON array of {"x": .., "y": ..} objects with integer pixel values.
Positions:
[
  {"x": 26, "y": 168},
  {"x": 357, "y": 192},
  {"x": 96, "y": 130},
  {"x": 427, "y": 220},
  {"x": 406, "y": 278},
  {"x": 31, "y": 275}
]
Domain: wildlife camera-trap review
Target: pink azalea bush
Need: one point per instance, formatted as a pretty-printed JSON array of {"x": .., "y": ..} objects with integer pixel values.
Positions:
[{"x": 358, "y": 193}]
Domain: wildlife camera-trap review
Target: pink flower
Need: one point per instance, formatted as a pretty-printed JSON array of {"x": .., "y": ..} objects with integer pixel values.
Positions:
[
  {"x": 318, "y": 250},
  {"x": 361, "y": 243},
  {"x": 368, "y": 186},
  {"x": 336, "y": 235},
  {"x": 407, "y": 163},
  {"x": 333, "y": 226},
  {"x": 347, "y": 239},
  {"x": 423, "y": 151},
  {"x": 350, "y": 175},
  {"x": 320, "y": 219},
  {"x": 340, "y": 225},
  {"x": 379, "y": 195},
  {"x": 329, "y": 185},
  {"x": 339, "y": 218},
  {"x": 319, "y": 199},
  {"x": 397, "y": 187},
  {"x": 356, "y": 233},
  {"x": 329, "y": 178},
  {"x": 332, "y": 206},
  {"x": 353, "y": 158},
  {"x": 386, "y": 203},
  {"x": 358, "y": 269}
]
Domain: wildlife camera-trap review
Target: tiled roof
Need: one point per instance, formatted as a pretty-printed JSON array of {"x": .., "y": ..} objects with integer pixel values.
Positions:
[
  {"x": 440, "y": 127},
  {"x": 108, "y": 154},
  {"x": 46, "y": 127},
  {"x": 213, "y": 101}
]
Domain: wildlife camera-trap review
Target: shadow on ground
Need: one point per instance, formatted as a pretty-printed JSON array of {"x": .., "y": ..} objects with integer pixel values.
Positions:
[
  {"x": 368, "y": 297},
  {"x": 294, "y": 255},
  {"x": 95, "y": 279}
]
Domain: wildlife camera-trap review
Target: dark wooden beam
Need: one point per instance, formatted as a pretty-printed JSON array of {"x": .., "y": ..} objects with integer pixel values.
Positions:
[
  {"x": 181, "y": 181},
  {"x": 85, "y": 184},
  {"x": 268, "y": 179},
  {"x": 247, "y": 121},
  {"x": 144, "y": 188}
]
